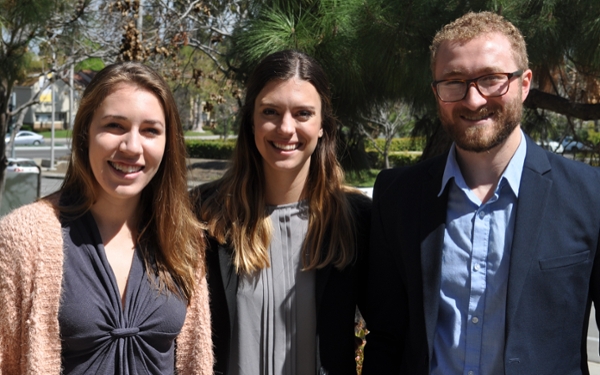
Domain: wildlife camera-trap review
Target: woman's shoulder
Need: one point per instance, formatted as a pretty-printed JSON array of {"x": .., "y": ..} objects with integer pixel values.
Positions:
[
  {"x": 28, "y": 226},
  {"x": 359, "y": 202},
  {"x": 42, "y": 211}
]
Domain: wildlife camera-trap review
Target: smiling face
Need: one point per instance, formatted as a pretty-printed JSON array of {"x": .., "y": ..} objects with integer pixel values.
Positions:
[
  {"x": 477, "y": 123},
  {"x": 287, "y": 126},
  {"x": 127, "y": 138}
]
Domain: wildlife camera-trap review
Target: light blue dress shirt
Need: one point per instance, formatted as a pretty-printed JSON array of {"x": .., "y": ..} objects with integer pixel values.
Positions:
[{"x": 469, "y": 337}]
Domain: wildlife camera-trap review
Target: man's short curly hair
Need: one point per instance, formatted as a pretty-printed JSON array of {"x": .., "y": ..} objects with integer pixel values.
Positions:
[{"x": 473, "y": 25}]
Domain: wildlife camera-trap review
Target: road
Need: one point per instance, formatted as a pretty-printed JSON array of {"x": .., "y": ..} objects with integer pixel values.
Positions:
[{"x": 41, "y": 152}]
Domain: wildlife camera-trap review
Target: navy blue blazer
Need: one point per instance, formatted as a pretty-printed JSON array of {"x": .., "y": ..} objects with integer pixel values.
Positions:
[
  {"x": 338, "y": 293},
  {"x": 553, "y": 278}
]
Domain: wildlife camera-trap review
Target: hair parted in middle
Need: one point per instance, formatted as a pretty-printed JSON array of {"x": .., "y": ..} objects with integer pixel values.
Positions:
[
  {"x": 166, "y": 220},
  {"x": 236, "y": 213},
  {"x": 472, "y": 25}
]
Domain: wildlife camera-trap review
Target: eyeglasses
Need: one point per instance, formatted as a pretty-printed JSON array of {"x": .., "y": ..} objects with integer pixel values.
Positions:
[{"x": 489, "y": 86}]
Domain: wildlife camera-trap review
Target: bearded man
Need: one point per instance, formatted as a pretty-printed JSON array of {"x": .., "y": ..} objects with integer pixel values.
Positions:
[{"x": 483, "y": 260}]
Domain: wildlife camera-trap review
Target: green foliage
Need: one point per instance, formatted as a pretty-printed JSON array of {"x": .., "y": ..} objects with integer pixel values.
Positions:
[
  {"x": 92, "y": 63},
  {"x": 364, "y": 178},
  {"x": 400, "y": 144},
  {"x": 593, "y": 137},
  {"x": 397, "y": 159},
  {"x": 210, "y": 149}
]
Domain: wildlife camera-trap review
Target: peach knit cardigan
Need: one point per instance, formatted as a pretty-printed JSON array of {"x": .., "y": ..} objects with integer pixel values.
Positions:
[{"x": 31, "y": 259}]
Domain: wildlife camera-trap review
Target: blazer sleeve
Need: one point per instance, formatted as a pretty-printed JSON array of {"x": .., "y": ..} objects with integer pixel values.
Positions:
[{"x": 385, "y": 315}]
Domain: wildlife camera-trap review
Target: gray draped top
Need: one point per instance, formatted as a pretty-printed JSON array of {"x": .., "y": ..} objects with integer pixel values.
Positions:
[
  {"x": 99, "y": 335},
  {"x": 275, "y": 330}
]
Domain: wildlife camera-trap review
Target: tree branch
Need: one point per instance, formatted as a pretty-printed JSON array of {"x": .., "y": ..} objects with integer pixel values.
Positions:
[{"x": 542, "y": 100}]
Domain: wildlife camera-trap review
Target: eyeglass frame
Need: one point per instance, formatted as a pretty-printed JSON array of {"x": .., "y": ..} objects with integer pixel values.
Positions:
[{"x": 473, "y": 81}]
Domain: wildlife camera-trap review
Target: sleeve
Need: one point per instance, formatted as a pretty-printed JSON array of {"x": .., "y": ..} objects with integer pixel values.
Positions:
[
  {"x": 386, "y": 315},
  {"x": 15, "y": 304},
  {"x": 194, "y": 355}
]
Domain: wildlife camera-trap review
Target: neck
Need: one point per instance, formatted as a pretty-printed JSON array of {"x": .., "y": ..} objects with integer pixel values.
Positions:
[
  {"x": 482, "y": 170},
  {"x": 116, "y": 219},
  {"x": 283, "y": 188}
]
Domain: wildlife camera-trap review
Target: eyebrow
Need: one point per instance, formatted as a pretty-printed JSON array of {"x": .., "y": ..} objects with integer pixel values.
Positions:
[
  {"x": 271, "y": 104},
  {"x": 457, "y": 72},
  {"x": 145, "y": 121}
]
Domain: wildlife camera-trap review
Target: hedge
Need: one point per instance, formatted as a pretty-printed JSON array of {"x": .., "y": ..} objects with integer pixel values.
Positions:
[
  {"x": 398, "y": 144},
  {"x": 210, "y": 149},
  {"x": 399, "y": 159}
]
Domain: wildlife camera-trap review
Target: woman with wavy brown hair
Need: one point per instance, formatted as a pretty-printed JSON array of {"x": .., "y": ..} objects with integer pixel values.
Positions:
[
  {"x": 107, "y": 275},
  {"x": 287, "y": 238}
]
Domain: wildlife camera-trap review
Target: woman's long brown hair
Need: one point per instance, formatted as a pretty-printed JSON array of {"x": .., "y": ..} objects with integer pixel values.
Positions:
[
  {"x": 236, "y": 210},
  {"x": 169, "y": 233}
]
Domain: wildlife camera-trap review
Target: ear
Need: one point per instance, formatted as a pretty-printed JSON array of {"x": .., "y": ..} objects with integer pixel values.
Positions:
[
  {"x": 526, "y": 83},
  {"x": 320, "y": 132}
]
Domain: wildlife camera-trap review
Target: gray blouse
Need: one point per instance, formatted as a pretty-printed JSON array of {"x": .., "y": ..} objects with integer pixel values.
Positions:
[{"x": 275, "y": 330}]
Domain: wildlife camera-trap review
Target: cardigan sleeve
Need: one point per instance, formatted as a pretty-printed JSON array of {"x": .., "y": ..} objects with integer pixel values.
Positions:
[
  {"x": 30, "y": 277},
  {"x": 194, "y": 352}
]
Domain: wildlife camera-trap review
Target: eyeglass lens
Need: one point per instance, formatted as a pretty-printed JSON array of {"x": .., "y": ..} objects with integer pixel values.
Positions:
[{"x": 489, "y": 85}]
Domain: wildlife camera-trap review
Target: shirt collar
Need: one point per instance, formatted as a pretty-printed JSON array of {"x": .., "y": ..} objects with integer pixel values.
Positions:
[{"x": 512, "y": 173}]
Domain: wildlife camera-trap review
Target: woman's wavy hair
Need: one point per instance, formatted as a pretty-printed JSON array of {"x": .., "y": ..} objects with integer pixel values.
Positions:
[
  {"x": 169, "y": 233},
  {"x": 234, "y": 207}
]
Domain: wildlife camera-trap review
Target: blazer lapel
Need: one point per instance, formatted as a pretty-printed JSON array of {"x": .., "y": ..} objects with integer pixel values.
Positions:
[
  {"x": 322, "y": 275},
  {"x": 533, "y": 199},
  {"x": 230, "y": 282},
  {"x": 433, "y": 225}
]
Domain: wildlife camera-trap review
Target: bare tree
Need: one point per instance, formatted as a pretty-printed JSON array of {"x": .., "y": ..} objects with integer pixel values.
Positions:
[{"x": 385, "y": 120}]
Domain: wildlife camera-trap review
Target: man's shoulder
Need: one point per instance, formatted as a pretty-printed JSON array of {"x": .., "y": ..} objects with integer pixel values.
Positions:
[
  {"x": 412, "y": 174},
  {"x": 563, "y": 166}
]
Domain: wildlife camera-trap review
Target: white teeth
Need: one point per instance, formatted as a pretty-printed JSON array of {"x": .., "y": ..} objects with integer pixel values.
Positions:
[
  {"x": 285, "y": 147},
  {"x": 125, "y": 168}
]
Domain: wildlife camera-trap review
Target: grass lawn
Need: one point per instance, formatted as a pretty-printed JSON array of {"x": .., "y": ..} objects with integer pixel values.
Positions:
[
  {"x": 57, "y": 134},
  {"x": 362, "y": 179}
]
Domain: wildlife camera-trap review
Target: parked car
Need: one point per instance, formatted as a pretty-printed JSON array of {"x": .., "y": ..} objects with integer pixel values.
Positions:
[
  {"x": 25, "y": 137},
  {"x": 20, "y": 165},
  {"x": 553, "y": 146},
  {"x": 571, "y": 145}
]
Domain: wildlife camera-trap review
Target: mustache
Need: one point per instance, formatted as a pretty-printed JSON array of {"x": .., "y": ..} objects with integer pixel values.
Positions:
[{"x": 482, "y": 112}]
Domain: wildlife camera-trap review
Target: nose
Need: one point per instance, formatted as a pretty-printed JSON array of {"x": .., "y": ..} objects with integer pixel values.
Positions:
[
  {"x": 287, "y": 125},
  {"x": 131, "y": 143},
  {"x": 474, "y": 99}
]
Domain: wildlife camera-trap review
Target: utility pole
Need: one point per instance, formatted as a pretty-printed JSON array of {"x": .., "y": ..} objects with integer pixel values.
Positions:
[
  {"x": 52, "y": 81},
  {"x": 71, "y": 73}
]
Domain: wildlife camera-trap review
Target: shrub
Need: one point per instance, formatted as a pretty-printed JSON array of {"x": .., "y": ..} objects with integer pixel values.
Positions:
[
  {"x": 398, "y": 144},
  {"x": 397, "y": 159},
  {"x": 210, "y": 149}
]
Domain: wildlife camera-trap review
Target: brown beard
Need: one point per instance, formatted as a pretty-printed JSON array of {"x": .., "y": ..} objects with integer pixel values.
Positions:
[{"x": 473, "y": 139}]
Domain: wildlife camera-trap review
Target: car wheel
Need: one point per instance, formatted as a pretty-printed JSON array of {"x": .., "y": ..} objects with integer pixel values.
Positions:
[{"x": 36, "y": 143}]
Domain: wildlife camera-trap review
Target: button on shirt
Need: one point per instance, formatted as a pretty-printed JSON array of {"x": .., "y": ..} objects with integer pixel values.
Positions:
[{"x": 469, "y": 337}]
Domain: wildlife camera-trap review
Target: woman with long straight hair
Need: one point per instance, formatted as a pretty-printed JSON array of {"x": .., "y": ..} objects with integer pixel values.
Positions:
[
  {"x": 107, "y": 275},
  {"x": 287, "y": 239}
]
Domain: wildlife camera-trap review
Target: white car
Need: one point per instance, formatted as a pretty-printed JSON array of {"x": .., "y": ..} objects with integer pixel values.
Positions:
[
  {"x": 553, "y": 146},
  {"x": 571, "y": 145},
  {"x": 20, "y": 165},
  {"x": 25, "y": 137}
]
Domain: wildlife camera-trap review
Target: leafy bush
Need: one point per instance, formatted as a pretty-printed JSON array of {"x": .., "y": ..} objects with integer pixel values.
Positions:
[
  {"x": 398, "y": 144},
  {"x": 397, "y": 159},
  {"x": 210, "y": 149}
]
